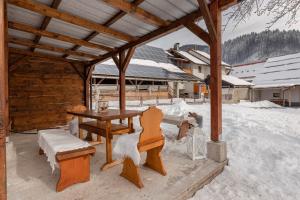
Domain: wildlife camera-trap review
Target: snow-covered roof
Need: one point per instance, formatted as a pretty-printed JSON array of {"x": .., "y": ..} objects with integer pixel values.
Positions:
[
  {"x": 247, "y": 71},
  {"x": 204, "y": 56},
  {"x": 235, "y": 81},
  {"x": 281, "y": 71},
  {"x": 140, "y": 69},
  {"x": 150, "y": 63},
  {"x": 190, "y": 57}
]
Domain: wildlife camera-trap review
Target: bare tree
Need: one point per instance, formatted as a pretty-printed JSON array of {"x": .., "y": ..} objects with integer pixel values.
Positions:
[{"x": 277, "y": 8}]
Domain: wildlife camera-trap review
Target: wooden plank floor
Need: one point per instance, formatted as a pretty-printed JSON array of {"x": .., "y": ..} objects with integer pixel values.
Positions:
[{"x": 30, "y": 177}]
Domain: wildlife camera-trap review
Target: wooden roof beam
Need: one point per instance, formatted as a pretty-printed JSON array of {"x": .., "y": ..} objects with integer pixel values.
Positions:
[
  {"x": 56, "y": 36},
  {"x": 64, "y": 16},
  {"x": 203, "y": 35},
  {"x": 137, "y": 12},
  {"x": 46, "y": 22},
  {"x": 173, "y": 26},
  {"x": 208, "y": 19},
  {"x": 41, "y": 55},
  {"x": 30, "y": 43},
  {"x": 109, "y": 22}
]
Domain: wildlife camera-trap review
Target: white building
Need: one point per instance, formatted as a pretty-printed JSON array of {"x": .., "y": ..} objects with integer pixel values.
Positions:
[
  {"x": 276, "y": 80},
  {"x": 197, "y": 63}
]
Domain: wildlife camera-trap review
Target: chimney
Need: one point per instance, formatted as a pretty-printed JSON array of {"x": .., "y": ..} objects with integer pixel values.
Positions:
[{"x": 176, "y": 46}]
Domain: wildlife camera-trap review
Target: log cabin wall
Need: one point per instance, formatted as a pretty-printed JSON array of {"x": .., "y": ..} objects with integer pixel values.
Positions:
[{"x": 40, "y": 92}]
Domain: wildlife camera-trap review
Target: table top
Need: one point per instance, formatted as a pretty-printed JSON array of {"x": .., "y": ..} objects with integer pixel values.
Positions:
[{"x": 110, "y": 114}]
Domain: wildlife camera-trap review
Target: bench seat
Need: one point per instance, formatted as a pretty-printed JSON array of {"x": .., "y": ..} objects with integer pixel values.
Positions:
[{"x": 68, "y": 153}]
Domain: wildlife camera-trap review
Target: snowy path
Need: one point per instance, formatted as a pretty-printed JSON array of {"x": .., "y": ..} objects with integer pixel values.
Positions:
[{"x": 264, "y": 153}]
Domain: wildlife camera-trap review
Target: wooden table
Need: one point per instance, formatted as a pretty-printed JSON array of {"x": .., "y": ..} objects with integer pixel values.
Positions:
[{"x": 106, "y": 128}]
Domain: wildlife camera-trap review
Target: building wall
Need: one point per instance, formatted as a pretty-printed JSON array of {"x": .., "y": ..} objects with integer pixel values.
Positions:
[
  {"x": 267, "y": 94},
  {"x": 40, "y": 92},
  {"x": 234, "y": 95}
]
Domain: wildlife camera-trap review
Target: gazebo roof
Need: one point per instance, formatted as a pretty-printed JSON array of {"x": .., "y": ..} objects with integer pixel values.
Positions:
[{"x": 92, "y": 31}]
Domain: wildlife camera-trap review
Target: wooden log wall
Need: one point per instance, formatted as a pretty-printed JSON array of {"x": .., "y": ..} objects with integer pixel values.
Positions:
[{"x": 40, "y": 92}]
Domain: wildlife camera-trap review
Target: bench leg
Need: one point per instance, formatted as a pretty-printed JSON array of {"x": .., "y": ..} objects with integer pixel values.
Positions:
[
  {"x": 154, "y": 160},
  {"x": 131, "y": 172},
  {"x": 72, "y": 171}
]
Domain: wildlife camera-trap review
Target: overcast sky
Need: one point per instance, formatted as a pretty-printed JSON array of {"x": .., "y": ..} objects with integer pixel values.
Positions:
[{"x": 253, "y": 24}]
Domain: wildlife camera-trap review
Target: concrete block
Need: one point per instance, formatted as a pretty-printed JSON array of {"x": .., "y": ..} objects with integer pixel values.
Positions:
[{"x": 217, "y": 151}]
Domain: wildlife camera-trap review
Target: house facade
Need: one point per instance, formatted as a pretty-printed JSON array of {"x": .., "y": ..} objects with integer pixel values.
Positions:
[
  {"x": 277, "y": 79},
  {"x": 197, "y": 63}
]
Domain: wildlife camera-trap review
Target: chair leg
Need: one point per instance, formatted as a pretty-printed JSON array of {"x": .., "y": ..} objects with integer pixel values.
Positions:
[
  {"x": 154, "y": 160},
  {"x": 72, "y": 171},
  {"x": 99, "y": 139},
  {"x": 131, "y": 172}
]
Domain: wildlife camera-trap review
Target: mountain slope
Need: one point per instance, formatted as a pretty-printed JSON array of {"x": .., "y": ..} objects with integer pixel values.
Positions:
[{"x": 259, "y": 46}]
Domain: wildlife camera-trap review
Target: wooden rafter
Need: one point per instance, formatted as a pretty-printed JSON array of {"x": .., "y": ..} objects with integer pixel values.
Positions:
[
  {"x": 48, "y": 47},
  {"x": 127, "y": 59},
  {"x": 46, "y": 21},
  {"x": 41, "y": 55},
  {"x": 56, "y": 36},
  {"x": 203, "y": 35},
  {"x": 208, "y": 19},
  {"x": 175, "y": 25},
  {"x": 64, "y": 16},
  {"x": 137, "y": 12},
  {"x": 82, "y": 76},
  {"x": 108, "y": 23}
]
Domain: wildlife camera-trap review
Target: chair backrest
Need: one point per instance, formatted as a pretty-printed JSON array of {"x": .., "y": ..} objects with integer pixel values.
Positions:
[
  {"x": 76, "y": 108},
  {"x": 150, "y": 121}
]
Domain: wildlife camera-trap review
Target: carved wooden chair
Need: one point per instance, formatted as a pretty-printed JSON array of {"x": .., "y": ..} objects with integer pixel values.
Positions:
[{"x": 150, "y": 140}]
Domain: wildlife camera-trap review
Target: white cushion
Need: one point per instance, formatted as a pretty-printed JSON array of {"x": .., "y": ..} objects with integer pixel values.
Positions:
[
  {"x": 126, "y": 146},
  {"x": 53, "y": 141}
]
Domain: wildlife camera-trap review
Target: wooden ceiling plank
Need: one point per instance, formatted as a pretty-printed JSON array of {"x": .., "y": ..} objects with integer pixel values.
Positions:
[
  {"x": 109, "y": 22},
  {"x": 50, "y": 12},
  {"x": 208, "y": 19},
  {"x": 30, "y": 43},
  {"x": 138, "y": 12},
  {"x": 41, "y": 55},
  {"x": 46, "y": 22},
  {"x": 56, "y": 36}
]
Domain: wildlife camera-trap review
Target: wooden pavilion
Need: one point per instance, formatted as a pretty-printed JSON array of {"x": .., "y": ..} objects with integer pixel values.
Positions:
[{"x": 48, "y": 49}]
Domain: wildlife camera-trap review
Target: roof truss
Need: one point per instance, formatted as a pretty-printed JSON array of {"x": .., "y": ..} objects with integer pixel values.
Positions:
[{"x": 164, "y": 27}]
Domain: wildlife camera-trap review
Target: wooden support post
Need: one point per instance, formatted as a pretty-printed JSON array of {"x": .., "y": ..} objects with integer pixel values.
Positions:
[
  {"x": 122, "y": 90},
  {"x": 122, "y": 63},
  {"x": 4, "y": 118},
  {"x": 87, "y": 90},
  {"x": 216, "y": 73}
]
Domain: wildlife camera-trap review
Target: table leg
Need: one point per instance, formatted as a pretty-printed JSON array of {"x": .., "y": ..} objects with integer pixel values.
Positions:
[
  {"x": 130, "y": 125},
  {"x": 80, "y": 120},
  {"x": 109, "y": 161}
]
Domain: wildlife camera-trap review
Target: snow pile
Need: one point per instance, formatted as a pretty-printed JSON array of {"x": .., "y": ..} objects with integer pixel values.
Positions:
[
  {"x": 259, "y": 104},
  {"x": 263, "y": 150},
  {"x": 180, "y": 108}
]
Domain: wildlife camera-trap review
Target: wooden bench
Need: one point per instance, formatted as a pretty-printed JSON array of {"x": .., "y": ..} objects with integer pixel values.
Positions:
[{"x": 74, "y": 164}]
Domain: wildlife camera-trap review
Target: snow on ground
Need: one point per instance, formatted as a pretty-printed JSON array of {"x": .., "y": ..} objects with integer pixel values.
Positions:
[
  {"x": 263, "y": 148},
  {"x": 263, "y": 151}
]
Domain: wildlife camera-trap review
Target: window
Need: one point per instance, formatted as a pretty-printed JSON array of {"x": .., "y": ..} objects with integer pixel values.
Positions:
[
  {"x": 276, "y": 95},
  {"x": 199, "y": 69}
]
